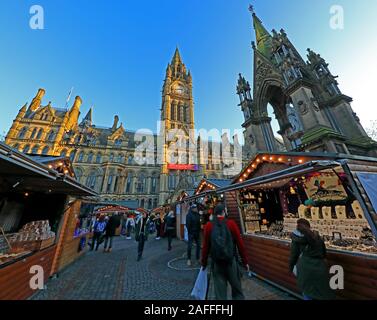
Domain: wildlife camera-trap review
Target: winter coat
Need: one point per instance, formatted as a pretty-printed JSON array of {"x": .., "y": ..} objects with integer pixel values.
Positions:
[
  {"x": 138, "y": 232},
  {"x": 193, "y": 223},
  {"x": 112, "y": 225},
  {"x": 308, "y": 256}
]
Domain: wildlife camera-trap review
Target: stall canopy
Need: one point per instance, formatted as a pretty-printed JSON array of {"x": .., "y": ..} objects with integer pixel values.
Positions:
[
  {"x": 20, "y": 172},
  {"x": 212, "y": 184}
]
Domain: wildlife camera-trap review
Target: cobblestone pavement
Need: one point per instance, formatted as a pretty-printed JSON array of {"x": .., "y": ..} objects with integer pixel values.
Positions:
[{"x": 160, "y": 275}]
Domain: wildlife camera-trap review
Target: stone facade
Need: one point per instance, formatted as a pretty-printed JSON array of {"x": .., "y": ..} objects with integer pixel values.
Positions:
[
  {"x": 313, "y": 114},
  {"x": 107, "y": 158}
]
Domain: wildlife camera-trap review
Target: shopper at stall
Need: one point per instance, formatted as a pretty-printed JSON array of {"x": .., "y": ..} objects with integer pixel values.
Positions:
[
  {"x": 98, "y": 232},
  {"x": 307, "y": 262},
  {"x": 170, "y": 228},
  {"x": 141, "y": 235},
  {"x": 222, "y": 238},
  {"x": 193, "y": 225},
  {"x": 111, "y": 226},
  {"x": 130, "y": 225}
]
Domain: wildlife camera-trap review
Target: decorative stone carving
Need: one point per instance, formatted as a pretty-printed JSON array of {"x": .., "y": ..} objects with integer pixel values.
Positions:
[{"x": 303, "y": 107}]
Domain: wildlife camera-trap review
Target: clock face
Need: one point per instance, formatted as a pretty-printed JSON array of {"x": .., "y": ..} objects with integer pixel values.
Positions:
[{"x": 179, "y": 89}]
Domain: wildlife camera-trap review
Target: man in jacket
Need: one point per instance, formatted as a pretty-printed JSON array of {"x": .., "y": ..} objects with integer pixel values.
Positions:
[
  {"x": 112, "y": 225},
  {"x": 224, "y": 271},
  {"x": 141, "y": 234},
  {"x": 193, "y": 226}
]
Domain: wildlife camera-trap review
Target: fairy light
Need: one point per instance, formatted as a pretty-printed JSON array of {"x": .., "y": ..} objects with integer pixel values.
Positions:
[
  {"x": 300, "y": 161},
  {"x": 258, "y": 160},
  {"x": 280, "y": 159}
]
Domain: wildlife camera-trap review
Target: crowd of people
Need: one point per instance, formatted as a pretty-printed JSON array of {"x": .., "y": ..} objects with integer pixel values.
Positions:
[{"x": 219, "y": 238}]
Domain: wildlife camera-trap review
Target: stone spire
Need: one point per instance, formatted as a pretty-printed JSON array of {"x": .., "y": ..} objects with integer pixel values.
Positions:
[
  {"x": 262, "y": 36},
  {"x": 74, "y": 113},
  {"x": 87, "y": 121}
]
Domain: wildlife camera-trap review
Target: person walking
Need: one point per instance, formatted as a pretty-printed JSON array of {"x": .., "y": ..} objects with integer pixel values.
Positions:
[
  {"x": 112, "y": 225},
  {"x": 142, "y": 231},
  {"x": 158, "y": 226},
  {"x": 170, "y": 228},
  {"x": 98, "y": 231},
  {"x": 222, "y": 238},
  {"x": 193, "y": 225},
  {"x": 307, "y": 262}
]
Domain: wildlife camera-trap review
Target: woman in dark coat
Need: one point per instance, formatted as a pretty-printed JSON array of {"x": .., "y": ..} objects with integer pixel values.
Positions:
[
  {"x": 308, "y": 253},
  {"x": 170, "y": 228}
]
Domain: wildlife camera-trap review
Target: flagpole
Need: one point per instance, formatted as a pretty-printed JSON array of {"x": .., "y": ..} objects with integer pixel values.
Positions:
[{"x": 68, "y": 98}]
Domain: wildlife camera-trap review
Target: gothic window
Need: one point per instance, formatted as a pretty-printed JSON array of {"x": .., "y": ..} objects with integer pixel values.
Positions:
[
  {"x": 98, "y": 158},
  {"x": 154, "y": 185},
  {"x": 72, "y": 156},
  {"x": 120, "y": 158},
  {"x": 128, "y": 184},
  {"x": 39, "y": 135},
  {"x": 116, "y": 183},
  {"x": 155, "y": 203},
  {"x": 22, "y": 133},
  {"x": 109, "y": 183},
  {"x": 171, "y": 181},
  {"x": 179, "y": 108},
  {"x": 141, "y": 184},
  {"x": 63, "y": 153},
  {"x": 81, "y": 157},
  {"x": 79, "y": 174},
  {"x": 111, "y": 158},
  {"x": 35, "y": 149},
  {"x": 150, "y": 204},
  {"x": 45, "y": 150},
  {"x": 26, "y": 149},
  {"x": 91, "y": 180},
  {"x": 77, "y": 139},
  {"x": 90, "y": 157},
  {"x": 130, "y": 159},
  {"x": 16, "y": 146},
  {"x": 51, "y": 136},
  {"x": 172, "y": 111},
  {"x": 33, "y": 133},
  {"x": 118, "y": 142},
  {"x": 142, "y": 203}
]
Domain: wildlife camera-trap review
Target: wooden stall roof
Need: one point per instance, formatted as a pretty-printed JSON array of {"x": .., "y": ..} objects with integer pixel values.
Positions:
[
  {"x": 211, "y": 184},
  {"x": 281, "y": 160},
  {"x": 112, "y": 209},
  {"x": 20, "y": 172}
]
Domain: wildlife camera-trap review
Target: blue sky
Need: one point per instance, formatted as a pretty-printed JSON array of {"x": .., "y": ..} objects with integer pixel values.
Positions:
[{"x": 114, "y": 53}]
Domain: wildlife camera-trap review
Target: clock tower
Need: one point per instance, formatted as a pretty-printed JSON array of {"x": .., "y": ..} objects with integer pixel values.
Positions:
[{"x": 177, "y": 118}]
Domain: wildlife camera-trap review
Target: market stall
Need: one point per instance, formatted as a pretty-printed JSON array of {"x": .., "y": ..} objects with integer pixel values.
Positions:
[
  {"x": 33, "y": 200},
  {"x": 275, "y": 190}
]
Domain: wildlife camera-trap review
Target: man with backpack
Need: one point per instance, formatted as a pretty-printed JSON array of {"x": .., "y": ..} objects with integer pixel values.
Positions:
[
  {"x": 222, "y": 237},
  {"x": 193, "y": 225}
]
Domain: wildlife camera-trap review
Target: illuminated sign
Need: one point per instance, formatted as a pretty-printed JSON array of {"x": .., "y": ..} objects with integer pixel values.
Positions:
[{"x": 188, "y": 167}]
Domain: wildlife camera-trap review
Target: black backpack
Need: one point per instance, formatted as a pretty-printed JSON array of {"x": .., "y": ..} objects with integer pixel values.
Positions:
[{"x": 222, "y": 245}]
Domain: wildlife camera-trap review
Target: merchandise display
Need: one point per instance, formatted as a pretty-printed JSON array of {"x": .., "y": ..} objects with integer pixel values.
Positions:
[
  {"x": 322, "y": 199},
  {"x": 33, "y": 236}
]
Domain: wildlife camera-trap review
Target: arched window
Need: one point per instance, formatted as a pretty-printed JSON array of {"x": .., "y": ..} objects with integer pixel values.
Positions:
[
  {"x": 26, "y": 149},
  {"x": 111, "y": 158},
  {"x": 90, "y": 157},
  {"x": 72, "y": 156},
  {"x": 141, "y": 183},
  {"x": 98, "y": 158},
  {"x": 39, "y": 135},
  {"x": 120, "y": 158},
  {"x": 154, "y": 185},
  {"x": 130, "y": 159},
  {"x": 150, "y": 204},
  {"x": 128, "y": 184},
  {"x": 22, "y": 133},
  {"x": 172, "y": 111},
  {"x": 171, "y": 181},
  {"x": 155, "y": 203},
  {"x": 79, "y": 174},
  {"x": 35, "y": 149},
  {"x": 16, "y": 146},
  {"x": 81, "y": 157},
  {"x": 109, "y": 183},
  {"x": 118, "y": 142},
  {"x": 142, "y": 203},
  {"x": 63, "y": 153},
  {"x": 51, "y": 136},
  {"x": 45, "y": 150},
  {"x": 33, "y": 133},
  {"x": 91, "y": 180}
]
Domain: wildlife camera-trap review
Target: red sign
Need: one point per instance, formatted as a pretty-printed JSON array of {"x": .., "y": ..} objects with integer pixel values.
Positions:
[{"x": 188, "y": 167}]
